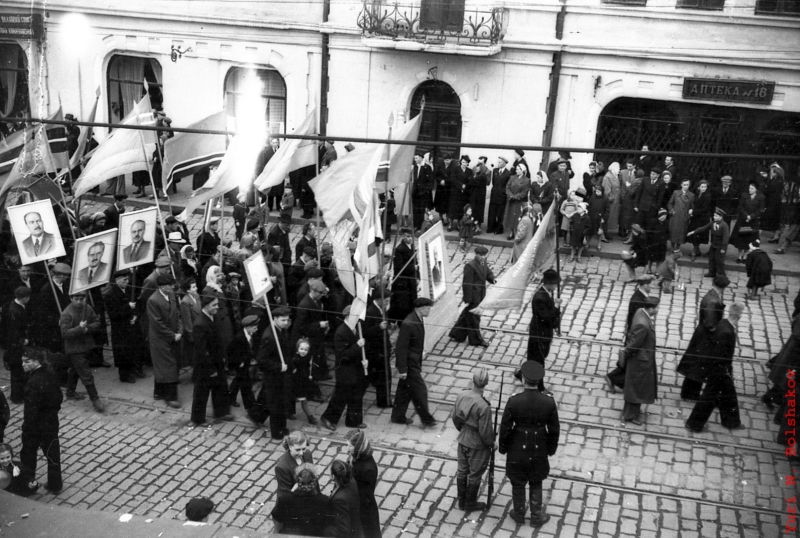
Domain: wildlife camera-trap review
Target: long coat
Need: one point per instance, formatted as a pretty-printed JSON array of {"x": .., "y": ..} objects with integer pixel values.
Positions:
[
  {"x": 694, "y": 363},
  {"x": 410, "y": 345},
  {"x": 545, "y": 315},
  {"x": 224, "y": 318},
  {"x": 365, "y": 473},
  {"x": 702, "y": 209},
  {"x": 124, "y": 337},
  {"x": 277, "y": 384},
  {"x": 522, "y": 237},
  {"x": 641, "y": 370},
  {"x": 678, "y": 207},
  {"x": 759, "y": 269},
  {"x": 516, "y": 195},
  {"x": 346, "y": 512},
  {"x": 529, "y": 433},
  {"x": 751, "y": 207},
  {"x": 404, "y": 289},
  {"x": 476, "y": 275},
  {"x": 611, "y": 187},
  {"x": 163, "y": 325},
  {"x": 628, "y": 191}
]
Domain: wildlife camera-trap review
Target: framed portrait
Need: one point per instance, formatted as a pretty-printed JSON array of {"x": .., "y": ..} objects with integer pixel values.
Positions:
[
  {"x": 93, "y": 263},
  {"x": 36, "y": 232},
  {"x": 434, "y": 267},
  {"x": 137, "y": 238},
  {"x": 257, "y": 274}
]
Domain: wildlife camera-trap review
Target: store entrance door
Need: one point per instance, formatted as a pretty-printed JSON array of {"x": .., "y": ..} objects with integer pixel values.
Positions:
[{"x": 441, "y": 120}]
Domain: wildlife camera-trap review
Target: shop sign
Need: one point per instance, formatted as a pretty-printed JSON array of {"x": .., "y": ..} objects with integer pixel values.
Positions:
[
  {"x": 21, "y": 26},
  {"x": 728, "y": 90}
]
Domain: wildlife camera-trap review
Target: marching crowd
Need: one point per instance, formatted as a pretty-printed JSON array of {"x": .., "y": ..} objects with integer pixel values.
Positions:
[{"x": 191, "y": 309}]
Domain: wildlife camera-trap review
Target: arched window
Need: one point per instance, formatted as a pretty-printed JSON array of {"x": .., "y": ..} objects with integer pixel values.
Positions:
[
  {"x": 14, "y": 98},
  {"x": 441, "y": 120},
  {"x": 256, "y": 91},
  {"x": 126, "y": 76}
]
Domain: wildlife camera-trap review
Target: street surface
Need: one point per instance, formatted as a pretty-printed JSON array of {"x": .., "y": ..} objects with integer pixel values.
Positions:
[{"x": 608, "y": 479}]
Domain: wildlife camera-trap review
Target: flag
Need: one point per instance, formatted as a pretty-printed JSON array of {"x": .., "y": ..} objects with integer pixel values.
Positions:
[
  {"x": 122, "y": 151},
  {"x": 187, "y": 153},
  {"x": 11, "y": 146},
  {"x": 339, "y": 236},
  {"x": 57, "y": 139},
  {"x": 86, "y": 134},
  {"x": 292, "y": 155},
  {"x": 235, "y": 170},
  {"x": 333, "y": 187},
  {"x": 33, "y": 162},
  {"x": 506, "y": 293},
  {"x": 364, "y": 207}
]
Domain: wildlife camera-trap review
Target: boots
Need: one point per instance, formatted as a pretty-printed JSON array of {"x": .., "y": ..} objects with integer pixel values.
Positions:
[
  {"x": 72, "y": 384},
  {"x": 518, "y": 500},
  {"x": 472, "y": 504},
  {"x": 461, "y": 484},
  {"x": 537, "y": 518},
  {"x": 93, "y": 396}
]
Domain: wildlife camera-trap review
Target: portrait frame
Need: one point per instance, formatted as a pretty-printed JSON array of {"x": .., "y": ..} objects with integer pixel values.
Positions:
[
  {"x": 51, "y": 237},
  {"x": 434, "y": 266},
  {"x": 80, "y": 265},
  {"x": 257, "y": 275},
  {"x": 147, "y": 250}
]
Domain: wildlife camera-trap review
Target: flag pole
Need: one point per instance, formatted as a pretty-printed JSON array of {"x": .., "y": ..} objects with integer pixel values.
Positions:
[
  {"x": 558, "y": 262},
  {"x": 316, "y": 209},
  {"x": 387, "y": 366},
  {"x": 274, "y": 332},
  {"x": 153, "y": 186},
  {"x": 53, "y": 287}
]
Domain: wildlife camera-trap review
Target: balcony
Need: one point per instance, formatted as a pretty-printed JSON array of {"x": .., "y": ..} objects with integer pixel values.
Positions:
[{"x": 433, "y": 26}]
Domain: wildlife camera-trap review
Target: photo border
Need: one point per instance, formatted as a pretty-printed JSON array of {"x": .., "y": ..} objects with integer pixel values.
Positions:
[
  {"x": 123, "y": 221},
  {"x": 20, "y": 230},
  {"x": 109, "y": 237},
  {"x": 435, "y": 234}
]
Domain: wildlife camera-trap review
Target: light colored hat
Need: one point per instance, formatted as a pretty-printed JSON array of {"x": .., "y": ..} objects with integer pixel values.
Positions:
[
  {"x": 175, "y": 237},
  {"x": 481, "y": 377}
]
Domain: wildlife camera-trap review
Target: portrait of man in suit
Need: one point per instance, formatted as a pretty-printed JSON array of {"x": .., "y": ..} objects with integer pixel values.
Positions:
[
  {"x": 39, "y": 242},
  {"x": 139, "y": 249},
  {"x": 96, "y": 271}
]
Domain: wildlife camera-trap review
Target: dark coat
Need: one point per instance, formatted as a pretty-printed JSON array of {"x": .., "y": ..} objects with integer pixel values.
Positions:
[
  {"x": 277, "y": 236},
  {"x": 45, "y": 316},
  {"x": 500, "y": 177},
  {"x": 404, "y": 289},
  {"x": 269, "y": 361},
  {"x": 346, "y": 511},
  {"x": 208, "y": 351},
  {"x": 638, "y": 300},
  {"x": 365, "y": 474},
  {"x": 42, "y": 403},
  {"x": 302, "y": 515},
  {"x": 423, "y": 183},
  {"x": 207, "y": 244},
  {"x": 529, "y": 433},
  {"x": 307, "y": 322},
  {"x": 284, "y": 470},
  {"x": 728, "y": 202},
  {"x": 759, "y": 269},
  {"x": 702, "y": 210},
  {"x": 163, "y": 325},
  {"x": 750, "y": 210},
  {"x": 373, "y": 334},
  {"x": 694, "y": 363},
  {"x": 650, "y": 196},
  {"x": 545, "y": 317},
  {"x": 709, "y": 354},
  {"x": 579, "y": 229},
  {"x": 410, "y": 345},
  {"x": 349, "y": 370},
  {"x": 711, "y": 309},
  {"x": 15, "y": 328},
  {"x": 301, "y": 245},
  {"x": 476, "y": 275},
  {"x": 241, "y": 352},
  {"x": 641, "y": 370}
]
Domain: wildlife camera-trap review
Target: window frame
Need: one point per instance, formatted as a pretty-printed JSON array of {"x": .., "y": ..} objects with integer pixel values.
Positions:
[
  {"x": 634, "y": 3},
  {"x": 442, "y": 15},
  {"x": 269, "y": 97},
  {"x": 22, "y": 98},
  {"x": 779, "y": 8},
  {"x": 701, "y": 5},
  {"x": 155, "y": 89}
]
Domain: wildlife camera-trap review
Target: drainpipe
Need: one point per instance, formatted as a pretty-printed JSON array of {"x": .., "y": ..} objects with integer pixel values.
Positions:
[
  {"x": 552, "y": 98},
  {"x": 323, "y": 83}
]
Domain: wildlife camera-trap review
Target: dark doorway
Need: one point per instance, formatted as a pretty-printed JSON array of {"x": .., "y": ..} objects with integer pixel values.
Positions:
[{"x": 441, "y": 121}]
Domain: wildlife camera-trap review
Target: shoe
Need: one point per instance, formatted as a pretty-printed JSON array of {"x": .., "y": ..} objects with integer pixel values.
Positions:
[
  {"x": 773, "y": 240},
  {"x": 708, "y": 275},
  {"x": 610, "y": 385},
  {"x": 668, "y": 291},
  {"x": 18, "y": 402},
  {"x": 327, "y": 424},
  {"x": 54, "y": 491},
  {"x": 693, "y": 430},
  {"x": 142, "y": 195},
  {"x": 541, "y": 520},
  {"x": 692, "y": 256},
  {"x": 405, "y": 421},
  {"x": 98, "y": 405},
  {"x": 627, "y": 242},
  {"x": 430, "y": 423},
  {"x": 140, "y": 374},
  {"x": 766, "y": 400},
  {"x": 77, "y": 396},
  {"x": 235, "y": 404},
  {"x": 510, "y": 237},
  {"x": 780, "y": 251},
  {"x": 739, "y": 427},
  {"x": 362, "y": 426},
  {"x": 174, "y": 404},
  {"x": 690, "y": 398},
  {"x": 227, "y": 417},
  {"x": 578, "y": 259},
  {"x": 312, "y": 420},
  {"x": 604, "y": 240},
  {"x": 278, "y": 438},
  {"x": 571, "y": 259},
  {"x": 517, "y": 517},
  {"x": 635, "y": 421}
]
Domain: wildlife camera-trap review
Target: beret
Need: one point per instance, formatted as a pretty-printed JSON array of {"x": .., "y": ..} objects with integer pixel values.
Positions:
[
  {"x": 318, "y": 286},
  {"x": 170, "y": 220},
  {"x": 249, "y": 321},
  {"x": 207, "y": 299},
  {"x": 550, "y": 277},
  {"x": 310, "y": 251},
  {"x": 481, "y": 250},
  {"x": 721, "y": 281},
  {"x": 315, "y": 273},
  {"x": 121, "y": 272},
  {"x": 281, "y": 311},
  {"x": 62, "y": 269}
]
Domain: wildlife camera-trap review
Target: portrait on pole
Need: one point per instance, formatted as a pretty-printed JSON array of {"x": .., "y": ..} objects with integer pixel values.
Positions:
[
  {"x": 93, "y": 261},
  {"x": 137, "y": 238},
  {"x": 36, "y": 232}
]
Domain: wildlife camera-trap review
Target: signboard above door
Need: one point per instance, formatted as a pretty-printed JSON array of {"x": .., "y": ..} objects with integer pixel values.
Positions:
[
  {"x": 742, "y": 91},
  {"x": 21, "y": 26}
]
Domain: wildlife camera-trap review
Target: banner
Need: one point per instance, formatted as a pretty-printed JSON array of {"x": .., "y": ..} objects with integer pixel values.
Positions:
[
  {"x": 292, "y": 155},
  {"x": 187, "y": 153}
]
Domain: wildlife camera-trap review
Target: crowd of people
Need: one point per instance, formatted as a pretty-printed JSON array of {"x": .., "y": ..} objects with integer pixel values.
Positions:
[{"x": 191, "y": 310}]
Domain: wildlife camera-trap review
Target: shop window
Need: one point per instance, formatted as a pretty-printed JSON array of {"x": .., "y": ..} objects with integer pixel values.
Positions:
[
  {"x": 627, "y": 2},
  {"x": 14, "y": 98},
  {"x": 251, "y": 92},
  {"x": 778, "y": 7},
  {"x": 702, "y": 4},
  {"x": 442, "y": 15},
  {"x": 126, "y": 76}
]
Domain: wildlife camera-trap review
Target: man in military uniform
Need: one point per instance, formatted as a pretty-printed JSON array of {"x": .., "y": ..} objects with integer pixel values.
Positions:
[
  {"x": 529, "y": 435},
  {"x": 472, "y": 417},
  {"x": 409, "y": 354}
]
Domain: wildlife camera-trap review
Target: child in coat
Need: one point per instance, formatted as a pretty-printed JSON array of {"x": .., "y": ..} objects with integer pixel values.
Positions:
[
  {"x": 467, "y": 228},
  {"x": 568, "y": 208},
  {"x": 303, "y": 386},
  {"x": 579, "y": 227},
  {"x": 759, "y": 269},
  {"x": 14, "y": 477},
  {"x": 287, "y": 201},
  {"x": 668, "y": 271}
]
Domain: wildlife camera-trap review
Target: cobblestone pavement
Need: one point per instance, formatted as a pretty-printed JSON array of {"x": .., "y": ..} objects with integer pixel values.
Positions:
[{"x": 608, "y": 479}]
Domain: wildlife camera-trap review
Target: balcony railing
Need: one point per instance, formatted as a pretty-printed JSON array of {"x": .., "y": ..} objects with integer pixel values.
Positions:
[{"x": 472, "y": 26}]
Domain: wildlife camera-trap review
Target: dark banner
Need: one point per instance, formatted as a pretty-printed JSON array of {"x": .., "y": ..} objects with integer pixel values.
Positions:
[
  {"x": 21, "y": 26},
  {"x": 728, "y": 90}
]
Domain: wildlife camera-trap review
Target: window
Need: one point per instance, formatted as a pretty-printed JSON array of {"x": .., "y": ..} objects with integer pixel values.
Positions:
[
  {"x": 14, "y": 98},
  {"x": 126, "y": 76},
  {"x": 442, "y": 15},
  {"x": 778, "y": 7},
  {"x": 256, "y": 91},
  {"x": 702, "y": 4},
  {"x": 627, "y": 2}
]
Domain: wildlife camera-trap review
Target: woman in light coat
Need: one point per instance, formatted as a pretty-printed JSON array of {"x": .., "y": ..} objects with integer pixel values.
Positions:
[
  {"x": 611, "y": 187},
  {"x": 524, "y": 233},
  {"x": 517, "y": 190},
  {"x": 680, "y": 207}
]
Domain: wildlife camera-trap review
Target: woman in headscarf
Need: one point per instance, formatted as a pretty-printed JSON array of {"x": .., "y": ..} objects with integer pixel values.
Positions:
[
  {"x": 223, "y": 320},
  {"x": 190, "y": 309},
  {"x": 542, "y": 191},
  {"x": 189, "y": 266},
  {"x": 344, "y": 505},
  {"x": 365, "y": 473},
  {"x": 517, "y": 197},
  {"x": 611, "y": 187}
]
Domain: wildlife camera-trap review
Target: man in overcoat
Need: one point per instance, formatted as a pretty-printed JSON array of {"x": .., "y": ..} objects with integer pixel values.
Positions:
[
  {"x": 649, "y": 198},
  {"x": 209, "y": 364},
  {"x": 529, "y": 433},
  {"x": 641, "y": 370},
  {"x": 164, "y": 333},
  {"x": 476, "y": 274},
  {"x": 497, "y": 198},
  {"x": 312, "y": 323},
  {"x": 124, "y": 336},
  {"x": 404, "y": 289},
  {"x": 545, "y": 318},
  {"x": 616, "y": 377},
  {"x": 16, "y": 329},
  {"x": 409, "y": 354},
  {"x": 274, "y": 358},
  {"x": 422, "y": 190},
  {"x": 375, "y": 330}
]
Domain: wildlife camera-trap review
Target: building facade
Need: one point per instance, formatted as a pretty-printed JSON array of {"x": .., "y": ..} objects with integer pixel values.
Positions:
[{"x": 672, "y": 75}]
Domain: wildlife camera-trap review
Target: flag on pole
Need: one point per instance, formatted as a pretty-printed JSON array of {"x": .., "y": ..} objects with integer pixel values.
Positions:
[
  {"x": 339, "y": 237},
  {"x": 11, "y": 146},
  {"x": 122, "y": 151},
  {"x": 57, "y": 140},
  {"x": 188, "y": 153},
  {"x": 292, "y": 155},
  {"x": 86, "y": 134},
  {"x": 34, "y": 161},
  {"x": 402, "y": 160},
  {"x": 506, "y": 294},
  {"x": 235, "y": 170}
]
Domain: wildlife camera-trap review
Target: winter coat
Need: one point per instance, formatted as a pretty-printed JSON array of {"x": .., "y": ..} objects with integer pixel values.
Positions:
[
  {"x": 641, "y": 370},
  {"x": 679, "y": 206},
  {"x": 759, "y": 269}
]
